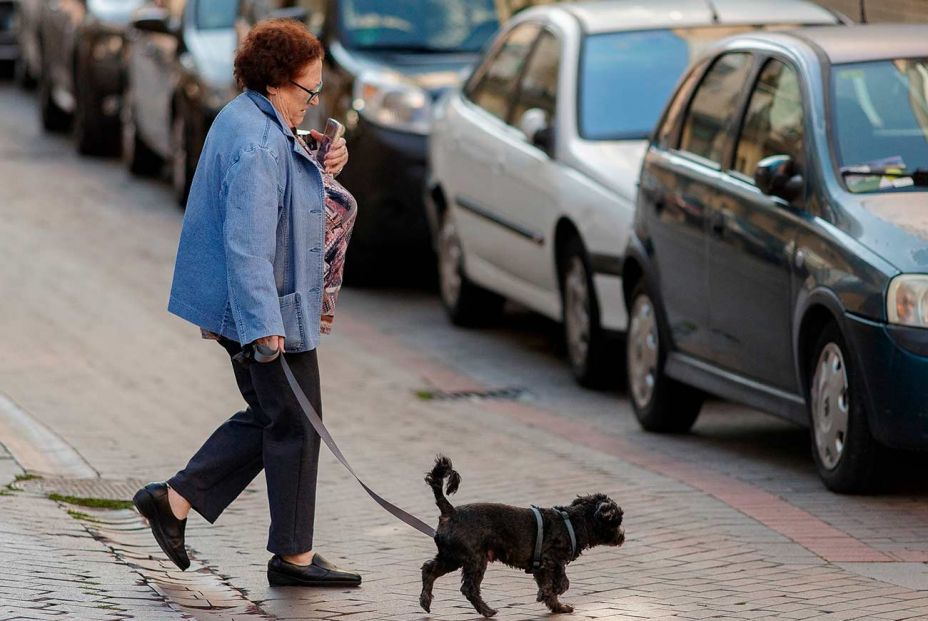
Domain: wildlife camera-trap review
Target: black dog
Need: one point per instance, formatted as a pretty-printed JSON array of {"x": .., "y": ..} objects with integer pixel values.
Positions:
[{"x": 470, "y": 536}]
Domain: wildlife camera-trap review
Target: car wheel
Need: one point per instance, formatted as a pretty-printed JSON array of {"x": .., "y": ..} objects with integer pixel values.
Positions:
[
  {"x": 661, "y": 404},
  {"x": 181, "y": 169},
  {"x": 140, "y": 159},
  {"x": 54, "y": 119},
  {"x": 583, "y": 335},
  {"x": 467, "y": 304},
  {"x": 846, "y": 454},
  {"x": 93, "y": 133}
]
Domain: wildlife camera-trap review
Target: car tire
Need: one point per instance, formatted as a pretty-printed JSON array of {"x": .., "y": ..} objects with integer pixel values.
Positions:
[
  {"x": 661, "y": 404},
  {"x": 140, "y": 159},
  {"x": 584, "y": 338},
  {"x": 93, "y": 133},
  {"x": 54, "y": 119},
  {"x": 846, "y": 455},
  {"x": 466, "y": 303},
  {"x": 181, "y": 167}
]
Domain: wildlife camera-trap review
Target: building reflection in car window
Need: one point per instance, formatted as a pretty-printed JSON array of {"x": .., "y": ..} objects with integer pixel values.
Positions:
[
  {"x": 495, "y": 83},
  {"x": 881, "y": 123},
  {"x": 712, "y": 109},
  {"x": 773, "y": 123},
  {"x": 539, "y": 84},
  {"x": 419, "y": 25}
]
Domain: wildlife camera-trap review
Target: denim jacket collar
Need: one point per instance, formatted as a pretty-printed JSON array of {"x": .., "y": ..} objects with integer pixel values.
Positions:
[{"x": 264, "y": 104}]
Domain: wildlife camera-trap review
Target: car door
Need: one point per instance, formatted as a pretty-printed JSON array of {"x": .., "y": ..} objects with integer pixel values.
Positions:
[
  {"x": 752, "y": 238},
  {"x": 678, "y": 193},
  {"x": 476, "y": 157},
  {"x": 526, "y": 178}
]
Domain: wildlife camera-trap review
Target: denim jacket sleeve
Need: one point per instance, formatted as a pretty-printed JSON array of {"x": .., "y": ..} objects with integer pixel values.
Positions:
[{"x": 251, "y": 196}]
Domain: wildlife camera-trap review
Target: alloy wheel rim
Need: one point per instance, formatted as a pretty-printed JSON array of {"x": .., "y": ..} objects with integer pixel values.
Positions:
[
  {"x": 449, "y": 262},
  {"x": 577, "y": 312},
  {"x": 179, "y": 161},
  {"x": 642, "y": 351},
  {"x": 830, "y": 405}
]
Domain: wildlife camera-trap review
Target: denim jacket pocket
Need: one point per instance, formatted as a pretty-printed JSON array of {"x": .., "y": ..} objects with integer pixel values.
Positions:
[{"x": 292, "y": 314}]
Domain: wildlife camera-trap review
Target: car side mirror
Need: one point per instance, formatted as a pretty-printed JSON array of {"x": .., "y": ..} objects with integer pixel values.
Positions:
[
  {"x": 534, "y": 124},
  {"x": 779, "y": 176},
  {"x": 152, "y": 19}
]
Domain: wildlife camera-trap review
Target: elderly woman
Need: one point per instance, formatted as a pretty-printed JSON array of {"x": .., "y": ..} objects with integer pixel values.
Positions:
[{"x": 259, "y": 262}]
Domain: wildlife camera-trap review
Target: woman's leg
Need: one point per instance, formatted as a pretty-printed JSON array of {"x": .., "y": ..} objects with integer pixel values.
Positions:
[{"x": 230, "y": 458}]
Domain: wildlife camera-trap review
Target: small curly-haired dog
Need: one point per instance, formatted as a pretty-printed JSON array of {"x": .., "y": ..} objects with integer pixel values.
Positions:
[{"x": 470, "y": 536}]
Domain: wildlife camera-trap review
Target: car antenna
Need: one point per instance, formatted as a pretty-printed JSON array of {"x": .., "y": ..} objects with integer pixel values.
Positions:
[{"x": 715, "y": 12}]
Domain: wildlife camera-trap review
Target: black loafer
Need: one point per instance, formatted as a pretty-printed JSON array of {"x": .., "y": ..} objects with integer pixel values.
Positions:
[
  {"x": 319, "y": 573},
  {"x": 152, "y": 502}
]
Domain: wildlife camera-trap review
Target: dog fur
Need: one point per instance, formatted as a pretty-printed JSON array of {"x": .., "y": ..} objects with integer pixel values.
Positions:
[{"x": 470, "y": 536}]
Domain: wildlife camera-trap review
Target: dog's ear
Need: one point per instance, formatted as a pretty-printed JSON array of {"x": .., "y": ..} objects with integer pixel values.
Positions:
[{"x": 608, "y": 512}]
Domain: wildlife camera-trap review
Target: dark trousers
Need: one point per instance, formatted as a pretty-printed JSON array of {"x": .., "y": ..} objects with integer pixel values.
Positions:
[{"x": 271, "y": 433}]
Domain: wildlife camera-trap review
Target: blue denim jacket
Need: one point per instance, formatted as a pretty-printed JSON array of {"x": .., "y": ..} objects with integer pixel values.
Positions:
[{"x": 250, "y": 259}]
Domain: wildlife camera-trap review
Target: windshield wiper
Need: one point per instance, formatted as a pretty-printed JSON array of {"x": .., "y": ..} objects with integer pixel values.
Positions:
[{"x": 919, "y": 176}]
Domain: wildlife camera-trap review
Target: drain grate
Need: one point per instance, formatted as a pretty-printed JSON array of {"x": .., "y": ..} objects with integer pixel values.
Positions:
[
  {"x": 109, "y": 489},
  {"x": 510, "y": 394}
]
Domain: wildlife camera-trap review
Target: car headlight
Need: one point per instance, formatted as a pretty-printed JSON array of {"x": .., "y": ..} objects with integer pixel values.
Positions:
[
  {"x": 392, "y": 101},
  {"x": 907, "y": 300}
]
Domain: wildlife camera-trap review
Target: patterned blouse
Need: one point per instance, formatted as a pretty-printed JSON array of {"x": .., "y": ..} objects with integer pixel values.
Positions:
[{"x": 341, "y": 209}]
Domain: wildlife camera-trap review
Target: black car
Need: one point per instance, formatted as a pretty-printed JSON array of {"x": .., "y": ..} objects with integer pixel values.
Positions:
[
  {"x": 9, "y": 48},
  {"x": 386, "y": 64},
  {"x": 81, "y": 80},
  {"x": 179, "y": 68},
  {"x": 780, "y": 248}
]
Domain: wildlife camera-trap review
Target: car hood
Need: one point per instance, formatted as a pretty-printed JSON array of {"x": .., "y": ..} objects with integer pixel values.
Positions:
[
  {"x": 212, "y": 52},
  {"x": 433, "y": 72},
  {"x": 615, "y": 164},
  {"x": 897, "y": 228}
]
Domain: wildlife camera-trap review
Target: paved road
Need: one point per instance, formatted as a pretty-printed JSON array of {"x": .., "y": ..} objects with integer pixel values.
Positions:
[{"x": 727, "y": 522}]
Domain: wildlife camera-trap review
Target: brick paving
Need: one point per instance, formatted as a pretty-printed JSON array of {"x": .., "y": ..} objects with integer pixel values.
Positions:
[{"x": 727, "y": 523}]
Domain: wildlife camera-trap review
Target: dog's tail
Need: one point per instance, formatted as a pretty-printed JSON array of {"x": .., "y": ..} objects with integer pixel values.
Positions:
[{"x": 443, "y": 470}]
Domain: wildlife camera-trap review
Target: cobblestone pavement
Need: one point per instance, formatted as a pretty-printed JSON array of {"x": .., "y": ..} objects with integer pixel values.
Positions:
[{"x": 729, "y": 522}]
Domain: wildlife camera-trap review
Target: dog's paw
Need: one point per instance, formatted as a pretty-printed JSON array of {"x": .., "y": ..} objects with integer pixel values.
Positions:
[
  {"x": 564, "y": 609},
  {"x": 489, "y": 612},
  {"x": 425, "y": 600}
]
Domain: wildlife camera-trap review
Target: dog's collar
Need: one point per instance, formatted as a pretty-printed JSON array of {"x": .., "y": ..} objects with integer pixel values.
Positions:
[{"x": 540, "y": 535}]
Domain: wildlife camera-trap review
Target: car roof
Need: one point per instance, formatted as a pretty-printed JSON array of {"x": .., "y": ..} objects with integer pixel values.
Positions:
[
  {"x": 867, "y": 42},
  {"x": 616, "y": 15}
]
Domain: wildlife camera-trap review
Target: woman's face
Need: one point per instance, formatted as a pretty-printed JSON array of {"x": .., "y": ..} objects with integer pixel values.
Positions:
[{"x": 291, "y": 100}]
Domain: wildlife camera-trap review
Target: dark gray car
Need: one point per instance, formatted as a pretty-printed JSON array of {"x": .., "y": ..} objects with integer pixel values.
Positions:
[{"x": 780, "y": 247}]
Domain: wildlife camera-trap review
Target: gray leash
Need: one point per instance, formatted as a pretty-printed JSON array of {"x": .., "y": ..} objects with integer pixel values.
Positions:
[{"x": 267, "y": 356}]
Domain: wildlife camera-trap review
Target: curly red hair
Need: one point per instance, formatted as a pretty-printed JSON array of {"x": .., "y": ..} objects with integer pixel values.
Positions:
[{"x": 273, "y": 53}]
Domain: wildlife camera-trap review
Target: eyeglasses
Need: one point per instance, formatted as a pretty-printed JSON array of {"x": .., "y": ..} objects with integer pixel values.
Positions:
[{"x": 312, "y": 93}]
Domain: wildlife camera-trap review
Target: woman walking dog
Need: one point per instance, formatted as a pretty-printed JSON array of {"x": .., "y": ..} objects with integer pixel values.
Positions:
[{"x": 259, "y": 264}]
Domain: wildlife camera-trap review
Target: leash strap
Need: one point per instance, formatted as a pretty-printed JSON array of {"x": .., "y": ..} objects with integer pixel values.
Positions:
[
  {"x": 316, "y": 422},
  {"x": 539, "y": 537},
  {"x": 570, "y": 531}
]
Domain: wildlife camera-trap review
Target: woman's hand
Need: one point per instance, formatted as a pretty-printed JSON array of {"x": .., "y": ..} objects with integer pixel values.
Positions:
[
  {"x": 274, "y": 342},
  {"x": 337, "y": 156}
]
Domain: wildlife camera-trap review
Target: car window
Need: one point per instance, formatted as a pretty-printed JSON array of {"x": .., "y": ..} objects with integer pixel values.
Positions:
[
  {"x": 712, "y": 110},
  {"x": 665, "y": 133},
  {"x": 773, "y": 122},
  {"x": 539, "y": 83},
  {"x": 495, "y": 83},
  {"x": 214, "y": 14}
]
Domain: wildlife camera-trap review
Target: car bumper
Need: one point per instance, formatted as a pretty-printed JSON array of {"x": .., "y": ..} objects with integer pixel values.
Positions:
[
  {"x": 386, "y": 174},
  {"x": 894, "y": 365}
]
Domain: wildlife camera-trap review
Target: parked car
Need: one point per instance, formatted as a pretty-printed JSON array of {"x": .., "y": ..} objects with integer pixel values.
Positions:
[
  {"x": 179, "y": 68},
  {"x": 534, "y": 163},
  {"x": 29, "y": 59},
  {"x": 780, "y": 247},
  {"x": 386, "y": 63},
  {"x": 81, "y": 80},
  {"x": 9, "y": 48}
]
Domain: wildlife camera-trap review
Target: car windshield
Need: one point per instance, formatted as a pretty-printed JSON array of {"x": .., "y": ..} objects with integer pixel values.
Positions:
[
  {"x": 626, "y": 77},
  {"x": 881, "y": 124},
  {"x": 215, "y": 14},
  {"x": 418, "y": 25}
]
